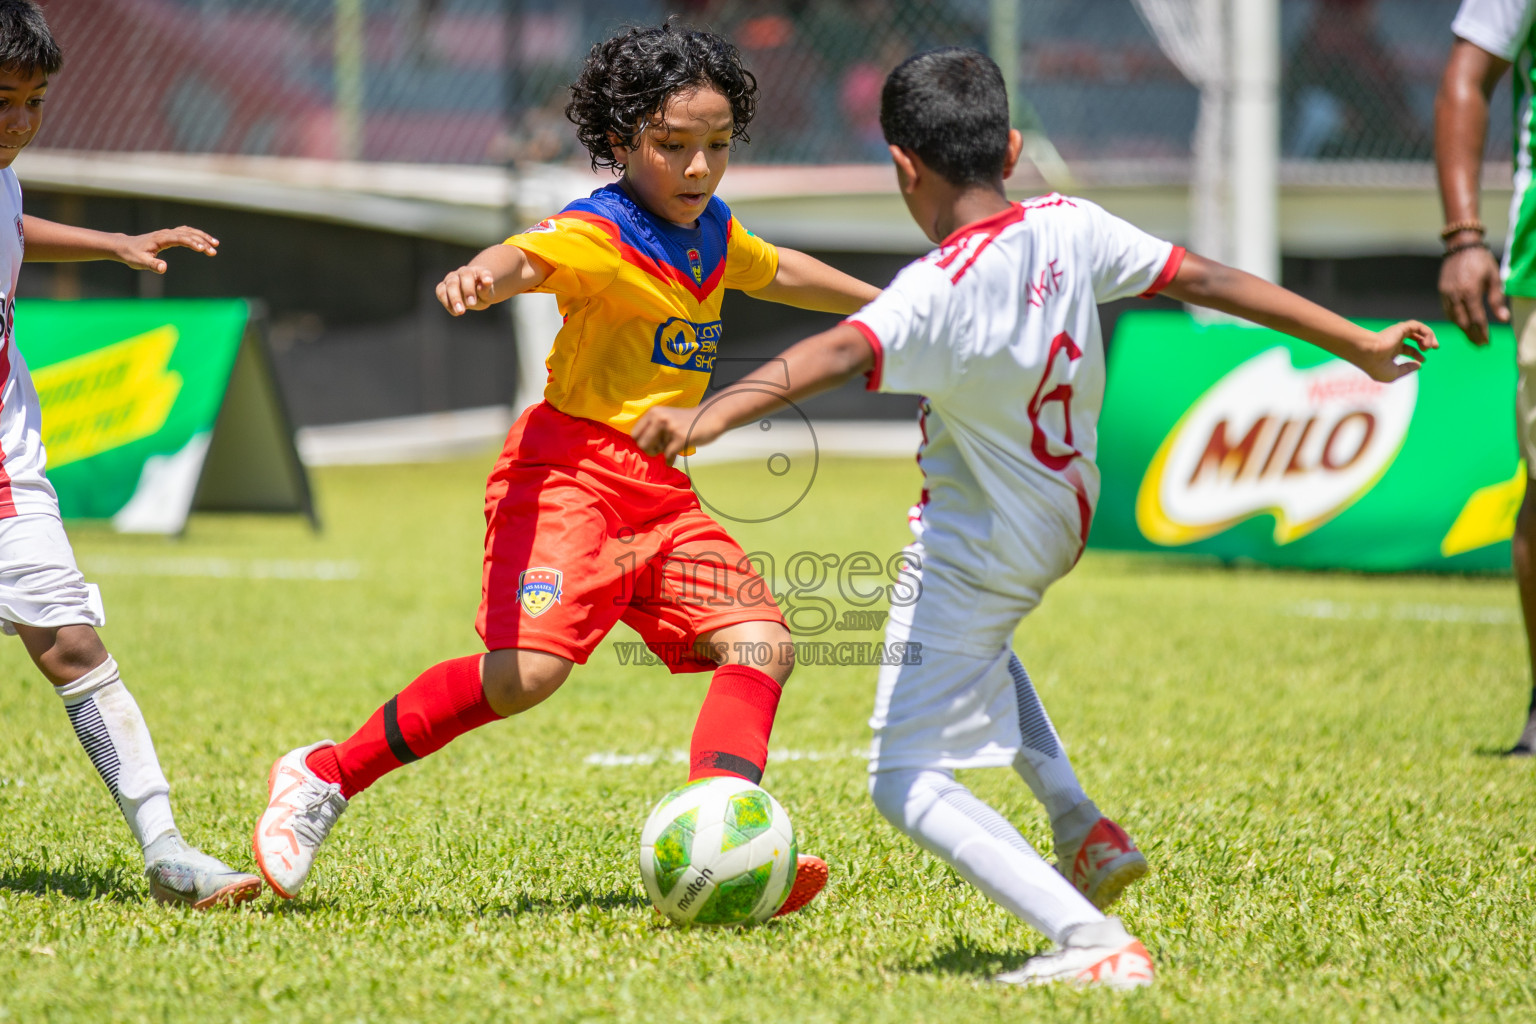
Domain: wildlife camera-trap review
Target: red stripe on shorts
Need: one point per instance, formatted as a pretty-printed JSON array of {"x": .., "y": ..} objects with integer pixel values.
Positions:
[{"x": 7, "y": 500}]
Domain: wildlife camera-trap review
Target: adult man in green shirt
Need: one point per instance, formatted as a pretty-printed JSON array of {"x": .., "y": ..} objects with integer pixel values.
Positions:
[{"x": 1492, "y": 36}]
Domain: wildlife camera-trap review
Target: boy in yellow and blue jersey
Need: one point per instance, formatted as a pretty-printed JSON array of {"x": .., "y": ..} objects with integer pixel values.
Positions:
[
  {"x": 584, "y": 530},
  {"x": 641, "y": 297}
]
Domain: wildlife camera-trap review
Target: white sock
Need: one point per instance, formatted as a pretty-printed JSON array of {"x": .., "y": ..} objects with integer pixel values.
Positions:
[
  {"x": 1042, "y": 763},
  {"x": 949, "y": 821},
  {"x": 113, "y": 733}
]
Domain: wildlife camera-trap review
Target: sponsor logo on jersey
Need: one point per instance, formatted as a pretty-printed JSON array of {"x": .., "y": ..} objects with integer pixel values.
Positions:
[
  {"x": 696, "y": 264},
  {"x": 543, "y": 227},
  {"x": 686, "y": 345},
  {"x": 538, "y": 589},
  {"x": 1269, "y": 439},
  {"x": 21, "y": 234}
]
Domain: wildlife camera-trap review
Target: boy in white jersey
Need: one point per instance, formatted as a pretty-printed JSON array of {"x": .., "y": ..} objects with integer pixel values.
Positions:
[
  {"x": 43, "y": 597},
  {"x": 999, "y": 329}
]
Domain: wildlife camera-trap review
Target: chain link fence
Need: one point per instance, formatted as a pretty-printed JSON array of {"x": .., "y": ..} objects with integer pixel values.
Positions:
[{"x": 484, "y": 81}]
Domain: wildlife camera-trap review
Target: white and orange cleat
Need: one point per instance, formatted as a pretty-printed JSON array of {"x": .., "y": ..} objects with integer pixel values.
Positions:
[
  {"x": 301, "y": 810},
  {"x": 810, "y": 878},
  {"x": 1102, "y": 863},
  {"x": 1099, "y": 954}
]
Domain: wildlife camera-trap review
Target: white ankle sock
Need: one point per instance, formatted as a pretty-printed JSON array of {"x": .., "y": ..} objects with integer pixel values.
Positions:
[
  {"x": 1042, "y": 763},
  {"x": 949, "y": 821},
  {"x": 112, "y": 731}
]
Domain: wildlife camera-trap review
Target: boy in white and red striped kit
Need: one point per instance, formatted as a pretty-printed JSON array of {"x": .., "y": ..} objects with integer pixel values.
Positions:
[
  {"x": 998, "y": 328},
  {"x": 43, "y": 597}
]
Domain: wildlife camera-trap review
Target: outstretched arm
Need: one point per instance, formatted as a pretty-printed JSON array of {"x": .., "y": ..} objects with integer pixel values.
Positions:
[
  {"x": 50, "y": 242},
  {"x": 816, "y": 364},
  {"x": 498, "y": 273},
  {"x": 807, "y": 282},
  {"x": 1205, "y": 282},
  {"x": 1469, "y": 274}
]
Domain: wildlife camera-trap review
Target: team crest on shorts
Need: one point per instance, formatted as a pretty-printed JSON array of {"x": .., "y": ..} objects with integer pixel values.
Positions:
[
  {"x": 696, "y": 264},
  {"x": 539, "y": 589}
]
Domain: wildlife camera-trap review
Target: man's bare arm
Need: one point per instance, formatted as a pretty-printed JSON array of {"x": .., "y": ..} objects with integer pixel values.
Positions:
[{"x": 1470, "y": 276}]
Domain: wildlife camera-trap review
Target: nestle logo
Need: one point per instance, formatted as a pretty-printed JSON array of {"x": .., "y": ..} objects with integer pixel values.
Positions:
[{"x": 1345, "y": 387}]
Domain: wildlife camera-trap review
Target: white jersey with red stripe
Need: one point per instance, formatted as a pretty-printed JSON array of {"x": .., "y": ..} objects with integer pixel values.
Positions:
[
  {"x": 24, "y": 489},
  {"x": 998, "y": 329}
]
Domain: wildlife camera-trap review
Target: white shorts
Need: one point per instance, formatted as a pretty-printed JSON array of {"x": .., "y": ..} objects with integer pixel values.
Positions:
[
  {"x": 40, "y": 584},
  {"x": 956, "y": 706}
]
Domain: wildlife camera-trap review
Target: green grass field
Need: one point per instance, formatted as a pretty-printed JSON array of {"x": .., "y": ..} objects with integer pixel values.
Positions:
[{"x": 1301, "y": 756}]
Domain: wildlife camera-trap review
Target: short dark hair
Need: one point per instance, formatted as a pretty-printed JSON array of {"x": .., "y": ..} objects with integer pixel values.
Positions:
[
  {"x": 950, "y": 107},
  {"x": 26, "y": 45},
  {"x": 625, "y": 81}
]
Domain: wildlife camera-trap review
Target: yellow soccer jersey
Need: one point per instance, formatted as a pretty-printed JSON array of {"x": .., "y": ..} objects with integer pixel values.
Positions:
[{"x": 641, "y": 302}]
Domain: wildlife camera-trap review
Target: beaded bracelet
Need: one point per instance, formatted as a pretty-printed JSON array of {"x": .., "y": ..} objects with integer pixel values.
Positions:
[
  {"x": 1453, "y": 250},
  {"x": 1462, "y": 225}
]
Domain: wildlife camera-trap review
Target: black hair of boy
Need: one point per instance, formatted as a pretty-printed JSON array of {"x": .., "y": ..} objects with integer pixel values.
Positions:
[
  {"x": 26, "y": 45},
  {"x": 626, "y": 80},
  {"x": 950, "y": 107}
]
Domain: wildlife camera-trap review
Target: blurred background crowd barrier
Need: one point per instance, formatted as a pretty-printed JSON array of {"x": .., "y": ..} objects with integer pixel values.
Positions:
[
  {"x": 484, "y": 81},
  {"x": 349, "y": 152}
]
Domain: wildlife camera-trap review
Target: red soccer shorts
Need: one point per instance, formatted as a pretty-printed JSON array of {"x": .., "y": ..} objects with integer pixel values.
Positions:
[{"x": 583, "y": 530}]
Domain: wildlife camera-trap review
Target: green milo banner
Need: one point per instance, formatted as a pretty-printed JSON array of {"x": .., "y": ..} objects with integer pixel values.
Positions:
[
  {"x": 1244, "y": 444},
  {"x": 152, "y": 408}
]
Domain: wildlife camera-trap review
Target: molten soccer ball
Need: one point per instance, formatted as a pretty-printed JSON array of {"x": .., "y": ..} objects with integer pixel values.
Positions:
[{"x": 718, "y": 851}]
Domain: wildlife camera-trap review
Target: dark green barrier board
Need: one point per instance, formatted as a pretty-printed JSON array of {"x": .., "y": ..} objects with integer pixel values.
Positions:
[{"x": 1244, "y": 444}]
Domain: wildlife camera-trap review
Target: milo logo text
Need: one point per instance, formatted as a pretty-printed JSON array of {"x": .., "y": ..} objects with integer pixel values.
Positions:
[
  {"x": 694, "y": 888},
  {"x": 685, "y": 345},
  {"x": 1300, "y": 445}
]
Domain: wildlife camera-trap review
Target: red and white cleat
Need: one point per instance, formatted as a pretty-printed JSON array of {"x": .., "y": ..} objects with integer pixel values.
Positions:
[
  {"x": 810, "y": 879},
  {"x": 1101, "y": 954},
  {"x": 301, "y": 810},
  {"x": 1103, "y": 864}
]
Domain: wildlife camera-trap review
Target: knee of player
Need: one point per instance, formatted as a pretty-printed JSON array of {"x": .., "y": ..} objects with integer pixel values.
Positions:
[
  {"x": 784, "y": 656},
  {"x": 890, "y": 790},
  {"x": 766, "y": 646},
  {"x": 905, "y": 795},
  {"x": 73, "y": 653},
  {"x": 515, "y": 680}
]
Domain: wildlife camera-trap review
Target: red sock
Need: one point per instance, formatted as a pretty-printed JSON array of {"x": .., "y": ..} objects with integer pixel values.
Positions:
[
  {"x": 731, "y": 737},
  {"x": 444, "y": 702}
]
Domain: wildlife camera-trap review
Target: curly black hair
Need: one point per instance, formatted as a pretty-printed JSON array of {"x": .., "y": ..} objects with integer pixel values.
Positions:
[{"x": 625, "y": 81}]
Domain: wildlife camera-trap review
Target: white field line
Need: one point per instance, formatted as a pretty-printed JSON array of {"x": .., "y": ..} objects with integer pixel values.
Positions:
[
  {"x": 1480, "y": 614},
  {"x": 222, "y": 568},
  {"x": 614, "y": 759}
]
